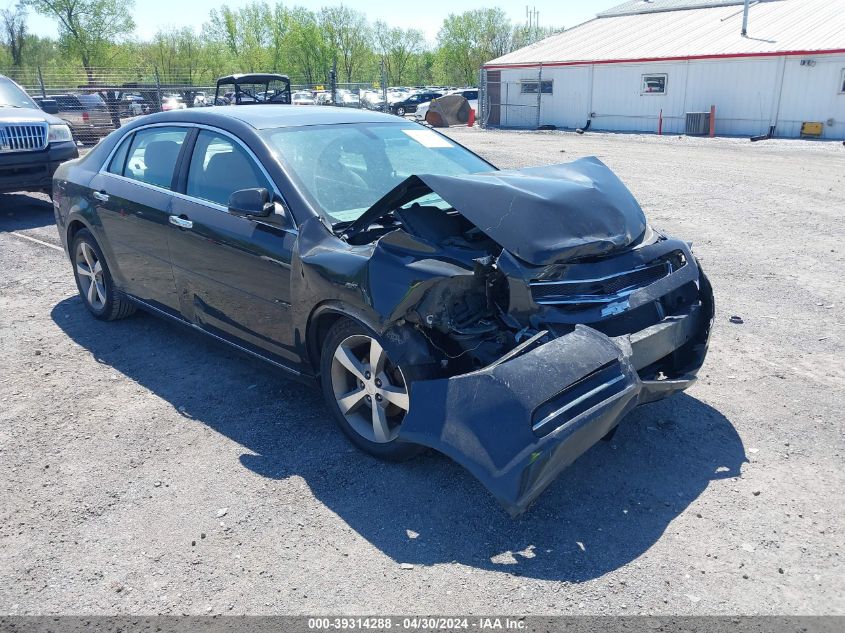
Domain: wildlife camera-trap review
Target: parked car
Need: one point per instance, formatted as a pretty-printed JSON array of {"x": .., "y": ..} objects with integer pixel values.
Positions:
[
  {"x": 86, "y": 114},
  {"x": 303, "y": 97},
  {"x": 372, "y": 99},
  {"x": 410, "y": 104},
  {"x": 394, "y": 271},
  {"x": 254, "y": 88},
  {"x": 347, "y": 99},
  {"x": 172, "y": 103},
  {"x": 200, "y": 99},
  {"x": 133, "y": 105},
  {"x": 32, "y": 142},
  {"x": 323, "y": 97}
]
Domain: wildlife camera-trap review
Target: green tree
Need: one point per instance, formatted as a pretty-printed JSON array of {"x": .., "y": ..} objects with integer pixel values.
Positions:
[
  {"x": 89, "y": 29},
  {"x": 348, "y": 36},
  {"x": 178, "y": 54},
  {"x": 14, "y": 32},
  {"x": 524, "y": 35},
  {"x": 248, "y": 39},
  {"x": 397, "y": 47},
  {"x": 306, "y": 50},
  {"x": 468, "y": 40}
]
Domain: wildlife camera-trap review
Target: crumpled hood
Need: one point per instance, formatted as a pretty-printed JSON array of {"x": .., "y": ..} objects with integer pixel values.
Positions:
[{"x": 541, "y": 215}]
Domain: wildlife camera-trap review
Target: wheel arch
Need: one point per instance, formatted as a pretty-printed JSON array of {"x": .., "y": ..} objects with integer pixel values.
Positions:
[
  {"x": 404, "y": 343},
  {"x": 321, "y": 320},
  {"x": 75, "y": 223},
  {"x": 74, "y": 226}
]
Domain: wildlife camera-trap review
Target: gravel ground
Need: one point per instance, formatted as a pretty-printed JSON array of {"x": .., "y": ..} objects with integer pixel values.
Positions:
[{"x": 147, "y": 470}]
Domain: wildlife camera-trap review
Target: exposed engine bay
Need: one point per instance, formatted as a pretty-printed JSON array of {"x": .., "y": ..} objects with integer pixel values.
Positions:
[{"x": 495, "y": 301}]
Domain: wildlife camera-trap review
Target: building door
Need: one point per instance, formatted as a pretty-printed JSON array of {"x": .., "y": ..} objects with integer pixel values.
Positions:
[{"x": 494, "y": 96}]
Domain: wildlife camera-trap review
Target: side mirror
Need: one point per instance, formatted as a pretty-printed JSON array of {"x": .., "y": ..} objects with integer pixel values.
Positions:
[
  {"x": 251, "y": 202},
  {"x": 50, "y": 106}
]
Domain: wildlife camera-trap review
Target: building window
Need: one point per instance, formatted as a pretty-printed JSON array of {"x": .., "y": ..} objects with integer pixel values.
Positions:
[
  {"x": 654, "y": 84},
  {"x": 530, "y": 87},
  {"x": 842, "y": 82}
]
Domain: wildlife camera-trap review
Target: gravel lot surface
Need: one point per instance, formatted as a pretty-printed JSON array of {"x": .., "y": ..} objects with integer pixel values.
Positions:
[{"x": 147, "y": 470}]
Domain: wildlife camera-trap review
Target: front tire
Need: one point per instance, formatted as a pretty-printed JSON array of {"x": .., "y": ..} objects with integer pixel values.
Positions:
[
  {"x": 400, "y": 111},
  {"x": 94, "y": 280},
  {"x": 365, "y": 391}
]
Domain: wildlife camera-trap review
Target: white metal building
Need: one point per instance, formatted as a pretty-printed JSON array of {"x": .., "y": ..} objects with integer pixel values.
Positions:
[{"x": 621, "y": 69}]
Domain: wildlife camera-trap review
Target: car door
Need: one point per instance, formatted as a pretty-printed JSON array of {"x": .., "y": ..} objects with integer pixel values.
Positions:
[
  {"x": 133, "y": 194},
  {"x": 232, "y": 272},
  {"x": 412, "y": 103}
]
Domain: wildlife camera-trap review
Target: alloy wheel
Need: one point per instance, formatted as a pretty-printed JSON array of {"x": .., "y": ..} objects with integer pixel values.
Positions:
[
  {"x": 370, "y": 391},
  {"x": 89, "y": 270}
]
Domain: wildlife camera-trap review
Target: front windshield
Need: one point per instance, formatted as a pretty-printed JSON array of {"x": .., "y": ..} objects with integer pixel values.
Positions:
[
  {"x": 344, "y": 169},
  {"x": 11, "y": 95}
]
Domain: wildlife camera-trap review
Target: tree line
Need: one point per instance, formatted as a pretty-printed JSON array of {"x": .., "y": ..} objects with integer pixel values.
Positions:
[{"x": 305, "y": 44}]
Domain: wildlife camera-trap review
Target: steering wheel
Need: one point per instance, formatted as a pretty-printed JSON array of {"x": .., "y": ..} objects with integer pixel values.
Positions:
[{"x": 336, "y": 186}]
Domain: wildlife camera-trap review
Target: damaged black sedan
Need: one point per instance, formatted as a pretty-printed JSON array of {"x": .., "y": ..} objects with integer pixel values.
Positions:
[{"x": 507, "y": 318}]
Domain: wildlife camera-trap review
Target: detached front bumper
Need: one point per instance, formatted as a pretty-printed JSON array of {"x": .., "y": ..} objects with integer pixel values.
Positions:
[{"x": 519, "y": 422}]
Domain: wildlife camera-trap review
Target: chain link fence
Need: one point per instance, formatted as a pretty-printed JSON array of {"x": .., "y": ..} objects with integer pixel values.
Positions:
[
  {"x": 98, "y": 100},
  {"x": 511, "y": 103}
]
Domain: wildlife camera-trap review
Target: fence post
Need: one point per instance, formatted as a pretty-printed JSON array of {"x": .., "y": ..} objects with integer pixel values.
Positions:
[
  {"x": 539, "y": 93},
  {"x": 41, "y": 83},
  {"x": 158, "y": 89},
  {"x": 333, "y": 77},
  {"x": 482, "y": 98},
  {"x": 383, "y": 87}
]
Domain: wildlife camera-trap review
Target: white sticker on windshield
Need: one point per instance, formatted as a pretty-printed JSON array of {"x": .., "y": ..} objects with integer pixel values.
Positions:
[{"x": 427, "y": 138}]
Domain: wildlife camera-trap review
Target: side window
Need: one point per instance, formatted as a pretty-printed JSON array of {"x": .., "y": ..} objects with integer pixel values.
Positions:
[
  {"x": 153, "y": 154},
  {"x": 654, "y": 84},
  {"x": 219, "y": 167},
  {"x": 118, "y": 161}
]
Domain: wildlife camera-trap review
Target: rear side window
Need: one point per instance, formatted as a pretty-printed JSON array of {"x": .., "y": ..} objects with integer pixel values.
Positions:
[
  {"x": 219, "y": 167},
  {"x": 118, "y": 161},
  {"x": 67, "y": 102},
  {"x": 91, "y": 101},
  {"x": 153, "y": 154}
]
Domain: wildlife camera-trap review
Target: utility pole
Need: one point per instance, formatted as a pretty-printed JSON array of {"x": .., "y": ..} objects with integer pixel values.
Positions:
[
  {"x": 532, "y": 18},
  {"x": 745, "y": 18}
]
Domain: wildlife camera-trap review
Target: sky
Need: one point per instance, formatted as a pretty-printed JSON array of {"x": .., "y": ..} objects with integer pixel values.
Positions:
[{"x": 426, "y": 15}]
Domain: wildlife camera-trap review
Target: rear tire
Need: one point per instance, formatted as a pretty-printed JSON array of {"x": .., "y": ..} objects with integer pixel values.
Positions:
[
  {"x": 94, "y": 280},
  {"x": 366, "y": 393}
]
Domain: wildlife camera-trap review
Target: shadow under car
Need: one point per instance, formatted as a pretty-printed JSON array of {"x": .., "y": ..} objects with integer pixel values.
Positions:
[{"x": 603, "y": 512}]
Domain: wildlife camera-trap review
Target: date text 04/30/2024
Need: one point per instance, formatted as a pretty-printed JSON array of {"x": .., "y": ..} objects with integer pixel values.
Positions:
[{"x": 416, "y": 623}]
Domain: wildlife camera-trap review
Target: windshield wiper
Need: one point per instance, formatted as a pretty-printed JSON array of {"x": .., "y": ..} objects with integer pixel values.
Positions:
[{"x": 9, "y": 105}]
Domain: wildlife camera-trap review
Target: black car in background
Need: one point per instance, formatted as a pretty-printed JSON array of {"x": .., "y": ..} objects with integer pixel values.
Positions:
[
  {"x": 509, "y": 319},
  {"x": 410, "y": 105}
]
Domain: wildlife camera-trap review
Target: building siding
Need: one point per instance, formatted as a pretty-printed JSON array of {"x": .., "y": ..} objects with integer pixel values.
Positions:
[{"x": 750, "y": 94}]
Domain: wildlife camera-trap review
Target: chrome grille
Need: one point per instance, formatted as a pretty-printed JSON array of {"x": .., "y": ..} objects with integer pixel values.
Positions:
[
  {"x": 22, "y": 137},
  {"x": 599, "y": 290}
]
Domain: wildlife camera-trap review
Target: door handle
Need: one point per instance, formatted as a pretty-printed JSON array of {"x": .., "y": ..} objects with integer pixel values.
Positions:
[
  {"x": 182, "y": 223},
  {"x": 102, "y": 196}
]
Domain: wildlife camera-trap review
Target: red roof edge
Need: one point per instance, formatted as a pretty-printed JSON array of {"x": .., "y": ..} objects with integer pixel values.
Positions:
[{"x": 667, "y": 59}]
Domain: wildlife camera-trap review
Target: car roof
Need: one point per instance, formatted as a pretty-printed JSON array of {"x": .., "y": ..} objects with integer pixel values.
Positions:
[{"x": 271, "y": 116}]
